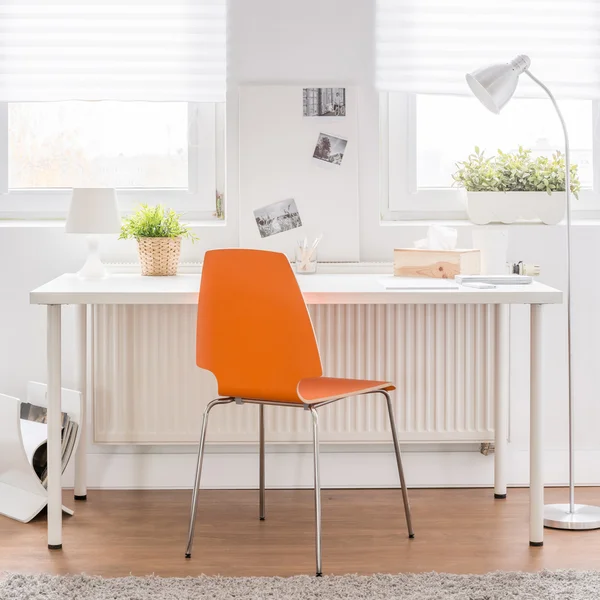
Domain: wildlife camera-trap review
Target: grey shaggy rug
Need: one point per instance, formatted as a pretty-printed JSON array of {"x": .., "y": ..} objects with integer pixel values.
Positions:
[{"x": 562, "y": 585}]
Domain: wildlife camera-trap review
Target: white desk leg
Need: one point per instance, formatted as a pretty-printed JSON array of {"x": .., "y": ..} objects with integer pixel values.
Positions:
[
  {"x": 54, "y": 446},
  {"x": 536, "y": 477},
  {"x": 81, "y": 383},
  {"x": 501, "y": 401}
]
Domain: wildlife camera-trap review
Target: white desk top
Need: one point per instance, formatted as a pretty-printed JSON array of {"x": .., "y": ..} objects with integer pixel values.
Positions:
[{"x": 316, "y": 288}]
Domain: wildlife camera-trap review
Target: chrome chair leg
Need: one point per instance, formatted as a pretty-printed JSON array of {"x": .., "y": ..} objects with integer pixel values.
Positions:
[
  {"x": 411, "y": 533},
  {"x": 194, "y": 507},
  {"x": 315, "y": 418},
  {"x": 261, "y": 433}
]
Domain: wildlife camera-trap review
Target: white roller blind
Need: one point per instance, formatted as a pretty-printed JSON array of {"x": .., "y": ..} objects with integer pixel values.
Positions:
[
  {"x": 427, "y": 46},
  {"x": 158, "y": 50}
]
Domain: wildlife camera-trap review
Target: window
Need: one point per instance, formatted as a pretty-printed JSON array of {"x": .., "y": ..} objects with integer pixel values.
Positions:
[
  {"x": 424, "y": 136},
  {"x": 171, "y": 152},
  {"x": 127, "y": 94},
  {"x": 449, "y": 127},
  {"x": 104, "y": 144}
]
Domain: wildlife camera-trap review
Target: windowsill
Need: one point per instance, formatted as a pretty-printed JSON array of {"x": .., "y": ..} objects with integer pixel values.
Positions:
[
  {"x": 60, "y": 223},
  {"x": 197, "y": 224},
  {"x": 575, "y": 221}
]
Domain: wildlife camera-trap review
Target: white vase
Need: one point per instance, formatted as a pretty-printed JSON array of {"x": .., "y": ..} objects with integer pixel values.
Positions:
[
  {"x": 492, "y": 242},
  {"x": 508, "y": 207}
]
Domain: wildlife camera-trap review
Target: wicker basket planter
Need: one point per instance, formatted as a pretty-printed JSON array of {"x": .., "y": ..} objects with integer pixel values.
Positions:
[{"x": 159, "y": 256}]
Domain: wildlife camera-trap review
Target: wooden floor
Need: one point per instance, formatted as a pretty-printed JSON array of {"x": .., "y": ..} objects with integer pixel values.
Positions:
[{"x": 116, "y": 533}]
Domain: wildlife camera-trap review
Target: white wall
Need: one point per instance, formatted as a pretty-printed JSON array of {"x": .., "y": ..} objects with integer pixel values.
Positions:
[{"x": 324, "y": 42}]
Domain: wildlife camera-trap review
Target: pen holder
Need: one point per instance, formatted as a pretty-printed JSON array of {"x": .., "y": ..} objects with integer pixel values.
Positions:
[{"x": 306, "y": 260}]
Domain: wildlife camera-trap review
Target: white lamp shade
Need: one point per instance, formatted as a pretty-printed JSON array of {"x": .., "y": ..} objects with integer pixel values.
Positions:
[
  {"x": 495, "y": 85},
  {"x": 93, "y": 211}
]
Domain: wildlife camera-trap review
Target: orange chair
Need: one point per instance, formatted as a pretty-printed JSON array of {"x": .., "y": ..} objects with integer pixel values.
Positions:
[{"x": 255, "y": 335}]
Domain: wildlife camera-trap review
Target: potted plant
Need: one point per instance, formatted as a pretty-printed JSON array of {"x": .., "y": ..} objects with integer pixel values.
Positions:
[
  {"x": 515, "y": 185},
  {"x": 158, "y": 231}
]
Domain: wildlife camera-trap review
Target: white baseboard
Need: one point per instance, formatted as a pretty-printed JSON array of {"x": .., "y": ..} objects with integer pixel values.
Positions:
[{"x": 339, "y": 470}]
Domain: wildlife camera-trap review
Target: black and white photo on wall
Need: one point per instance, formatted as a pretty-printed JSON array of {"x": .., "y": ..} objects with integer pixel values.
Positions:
[
  {"x": 330, "y": 149},
  {"x": 324, "y": 102},
  {"x": 277, "y": 217}
]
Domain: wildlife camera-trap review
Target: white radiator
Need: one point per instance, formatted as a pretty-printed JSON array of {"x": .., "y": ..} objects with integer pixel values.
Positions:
[{"x": 148, "y": 389}]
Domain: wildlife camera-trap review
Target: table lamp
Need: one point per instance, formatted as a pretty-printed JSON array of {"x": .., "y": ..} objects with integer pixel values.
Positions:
[
  {"x": 494, "y": 86},
  {"x": 93, "y": 211}
]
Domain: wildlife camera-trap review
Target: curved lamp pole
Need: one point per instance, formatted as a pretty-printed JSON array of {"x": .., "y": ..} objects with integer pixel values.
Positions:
[{"x": 494, "y": 86}]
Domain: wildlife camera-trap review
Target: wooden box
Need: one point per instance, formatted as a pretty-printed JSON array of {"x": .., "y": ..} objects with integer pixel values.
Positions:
[{"x": 443, "y": 264}]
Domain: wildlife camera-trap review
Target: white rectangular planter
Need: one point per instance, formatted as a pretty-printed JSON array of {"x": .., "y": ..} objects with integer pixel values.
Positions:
[{"x": 508, "y": 207}]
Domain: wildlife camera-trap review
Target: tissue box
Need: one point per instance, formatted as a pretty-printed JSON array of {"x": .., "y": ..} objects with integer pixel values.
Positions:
[{"x": 443, "y": 264}]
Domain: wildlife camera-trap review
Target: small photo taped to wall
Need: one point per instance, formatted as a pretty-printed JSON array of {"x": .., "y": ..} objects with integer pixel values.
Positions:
[
  {"x": 330, "y": 149},
  {"x": 277, "y": 217},
  {"x": 324, "y": 102}
]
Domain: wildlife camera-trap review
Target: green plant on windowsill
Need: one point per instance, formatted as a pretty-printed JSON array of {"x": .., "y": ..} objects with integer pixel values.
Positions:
[
  {"x": 219, "y": 208},
  {"x": 158, "y": 231},
  {"x": 515, "y": 172}
]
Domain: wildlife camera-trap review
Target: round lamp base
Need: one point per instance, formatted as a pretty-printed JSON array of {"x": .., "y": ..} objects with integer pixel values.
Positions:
[
  {"x": 93, "y": 267},
  {"x": 557, "y": 516}
]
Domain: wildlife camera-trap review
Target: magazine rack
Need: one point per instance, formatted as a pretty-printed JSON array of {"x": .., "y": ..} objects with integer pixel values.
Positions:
[{"x": 22, "y": 495}]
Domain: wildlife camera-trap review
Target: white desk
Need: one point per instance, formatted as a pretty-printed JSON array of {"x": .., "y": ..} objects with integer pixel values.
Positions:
[{"x": 317, "y": 289}]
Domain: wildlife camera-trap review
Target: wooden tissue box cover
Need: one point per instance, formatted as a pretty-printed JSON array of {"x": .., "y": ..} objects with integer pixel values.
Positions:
[{"x": 443, "y": 264}]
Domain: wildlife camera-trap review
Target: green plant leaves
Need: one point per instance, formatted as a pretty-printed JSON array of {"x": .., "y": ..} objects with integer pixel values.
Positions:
[
  {"x": 515, "y": 172},
  {"x": 155, "y": 221}
]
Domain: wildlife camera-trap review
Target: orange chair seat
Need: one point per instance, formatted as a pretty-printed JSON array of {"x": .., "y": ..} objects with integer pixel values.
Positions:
[{"x": 320, "y": 389}]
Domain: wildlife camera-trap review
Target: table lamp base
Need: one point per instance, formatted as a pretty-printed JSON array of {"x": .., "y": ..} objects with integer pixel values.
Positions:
[{"x": 93, "y": 267}]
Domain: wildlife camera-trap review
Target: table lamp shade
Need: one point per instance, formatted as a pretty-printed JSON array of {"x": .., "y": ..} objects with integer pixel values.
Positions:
[{"x": 93, "y": 211}]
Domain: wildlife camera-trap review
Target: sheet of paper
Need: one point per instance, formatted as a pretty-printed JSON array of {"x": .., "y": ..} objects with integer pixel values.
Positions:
[{"x": 417, "y": 283}]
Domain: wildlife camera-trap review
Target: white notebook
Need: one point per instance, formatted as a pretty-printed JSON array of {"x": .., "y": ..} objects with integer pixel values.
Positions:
[{"x": 417, "y": 283}]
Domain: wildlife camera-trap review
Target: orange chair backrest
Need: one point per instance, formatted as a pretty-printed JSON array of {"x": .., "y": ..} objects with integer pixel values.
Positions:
[{"x": 254, "y": 332}]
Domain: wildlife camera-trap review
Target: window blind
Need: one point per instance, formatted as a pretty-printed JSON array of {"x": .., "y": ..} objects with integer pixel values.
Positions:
[
  {"x": 156, "y": 50},
  {"x": 427, "y": 46}
]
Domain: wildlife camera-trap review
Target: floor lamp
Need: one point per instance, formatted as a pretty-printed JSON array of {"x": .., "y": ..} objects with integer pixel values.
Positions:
[{"x": 494, "y": 86}]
